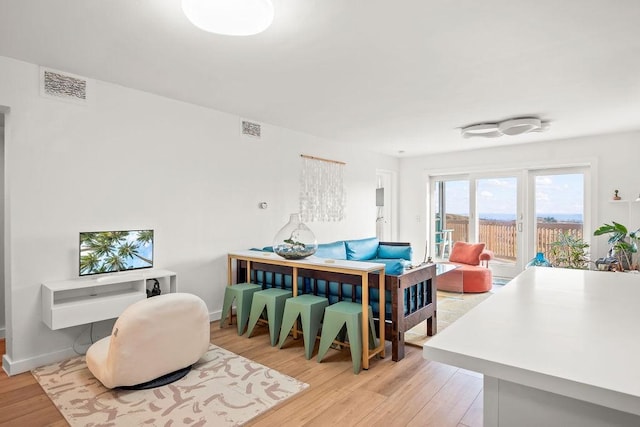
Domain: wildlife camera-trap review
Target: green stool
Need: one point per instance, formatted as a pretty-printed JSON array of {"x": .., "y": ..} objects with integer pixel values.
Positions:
[
  {"x": 273, "y": 300},
  {"x": 310, "y": 308},
  {"x": 243, "y": 294},
  {"x": 348, "y": 314}
]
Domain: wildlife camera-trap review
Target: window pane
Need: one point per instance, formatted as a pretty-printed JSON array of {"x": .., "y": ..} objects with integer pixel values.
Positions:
[
  {"x": 559, "y": 208},
  {"x": 497, "y": 206},
  {"x": 456, "y": 209}
]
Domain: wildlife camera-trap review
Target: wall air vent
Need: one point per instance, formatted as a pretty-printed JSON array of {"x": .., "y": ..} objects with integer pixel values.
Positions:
[
  {"x": 65, "y": 86},
  {"x": 250, "y": 129}
]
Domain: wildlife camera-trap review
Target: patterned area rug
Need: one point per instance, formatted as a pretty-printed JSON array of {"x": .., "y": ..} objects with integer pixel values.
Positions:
[
  {"x": 451, "y": 306},
  {"x": 222, "y": 389}
]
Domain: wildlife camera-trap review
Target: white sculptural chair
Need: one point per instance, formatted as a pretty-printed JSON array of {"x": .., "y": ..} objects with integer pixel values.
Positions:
[{"x": 152, "y": 339}]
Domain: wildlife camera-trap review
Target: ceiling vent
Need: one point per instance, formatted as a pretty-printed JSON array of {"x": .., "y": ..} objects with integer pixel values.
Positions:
[
  {"x": 61, "y": 85},
  {"x": 250, "y": 129}
]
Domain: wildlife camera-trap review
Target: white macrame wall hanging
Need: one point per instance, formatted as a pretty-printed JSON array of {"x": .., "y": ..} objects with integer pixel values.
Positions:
[{"x": 322, "y": 192}]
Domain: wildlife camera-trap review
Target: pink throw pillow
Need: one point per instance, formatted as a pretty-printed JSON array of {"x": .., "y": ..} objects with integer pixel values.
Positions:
[{"x": 466, "y": 253}]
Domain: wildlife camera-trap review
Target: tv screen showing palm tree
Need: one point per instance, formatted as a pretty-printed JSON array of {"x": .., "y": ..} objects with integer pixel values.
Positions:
[{"x": 110, "y": 251}]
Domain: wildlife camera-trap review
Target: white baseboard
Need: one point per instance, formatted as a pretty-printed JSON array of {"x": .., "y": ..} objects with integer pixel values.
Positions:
[
  {"x": 216, "y": 315},
  {"x": 14, "y": 367},
  {"x": 3, "y": 333}
]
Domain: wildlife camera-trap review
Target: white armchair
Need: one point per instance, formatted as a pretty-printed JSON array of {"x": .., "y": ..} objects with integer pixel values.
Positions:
[{"x": 150, "y": 339}]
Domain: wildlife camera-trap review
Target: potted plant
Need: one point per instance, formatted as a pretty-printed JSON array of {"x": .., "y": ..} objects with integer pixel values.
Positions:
[
  {"x": 569, "y": 252},
  {"x": 623, "y": 243}
]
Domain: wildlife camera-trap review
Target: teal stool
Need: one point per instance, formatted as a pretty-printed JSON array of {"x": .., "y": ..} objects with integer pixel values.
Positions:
[
  {"x": 243, "y": 294},
  {"x": 348, "y": 314},
  {"x": 272, "y": 300},
  {"x": 310, "y": 308}
]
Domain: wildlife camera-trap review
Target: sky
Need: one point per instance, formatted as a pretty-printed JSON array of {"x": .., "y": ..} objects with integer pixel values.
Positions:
[
  {"x": 563, "y": 194},
  {"x": 554, "y": 194}
]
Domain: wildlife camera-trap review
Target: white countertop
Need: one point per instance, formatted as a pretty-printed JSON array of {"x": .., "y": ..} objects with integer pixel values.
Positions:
[{"x": 570, "y": 332}]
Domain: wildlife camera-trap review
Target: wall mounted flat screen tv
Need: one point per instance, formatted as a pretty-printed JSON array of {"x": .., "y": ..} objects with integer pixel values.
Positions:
[{"x": 111, "y": 251}]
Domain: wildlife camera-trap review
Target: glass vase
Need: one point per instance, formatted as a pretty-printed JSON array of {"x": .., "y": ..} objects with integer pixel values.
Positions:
[
  {"x": 295, "y": 240},
  {"x": 539, "y": 261}
]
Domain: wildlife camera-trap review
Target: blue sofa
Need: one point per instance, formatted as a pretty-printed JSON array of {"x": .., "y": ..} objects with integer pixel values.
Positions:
[
  {"x": 410, "y": 292},
  {"x": 395, "y": 257}
]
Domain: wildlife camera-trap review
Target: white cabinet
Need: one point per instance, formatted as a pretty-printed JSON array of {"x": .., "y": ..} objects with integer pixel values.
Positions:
[{"x": 84, "y": 300}]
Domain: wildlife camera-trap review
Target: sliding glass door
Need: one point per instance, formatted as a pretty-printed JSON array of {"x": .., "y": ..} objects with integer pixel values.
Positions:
[
  {"x": 451, "y": 215},
  {"x": 479, "y": 209},
  {"x": 498, "y": 226},
  {"x": 514, "y": 220},
  {"x": 558, "y": 208}
]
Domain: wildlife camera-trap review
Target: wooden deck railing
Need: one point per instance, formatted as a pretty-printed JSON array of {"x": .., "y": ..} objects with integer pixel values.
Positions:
[{"x": 500, "y": 236}]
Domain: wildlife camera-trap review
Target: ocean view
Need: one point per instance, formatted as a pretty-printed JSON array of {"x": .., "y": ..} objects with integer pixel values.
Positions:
[{"x": 512, "y": 217}]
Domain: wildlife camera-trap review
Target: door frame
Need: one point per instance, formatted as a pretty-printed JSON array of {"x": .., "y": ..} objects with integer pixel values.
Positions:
[
  {"x": 388, "y": 180},
  {"x": 531, "y": 207},
  {"x": 525, "y": 216},
  {"x": 501, "y": 270},
  {"x": 5, "y": 254}
]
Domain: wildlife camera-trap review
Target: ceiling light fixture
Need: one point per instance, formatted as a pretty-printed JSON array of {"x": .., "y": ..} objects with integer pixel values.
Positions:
[
  {"x": 511, "y": 127},
  {"x": 485, "y": 130},
  {"x": 229, "y": 17}
]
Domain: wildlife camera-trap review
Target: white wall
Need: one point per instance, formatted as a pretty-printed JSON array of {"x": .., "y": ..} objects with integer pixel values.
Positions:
[
  {"x": 133, "y": 160},
  {"x": 614, "y": 166},
  {"x": 2, "y": 298}
]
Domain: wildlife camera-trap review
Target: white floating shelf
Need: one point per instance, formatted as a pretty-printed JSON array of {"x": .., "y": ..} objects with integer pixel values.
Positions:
[{"x": 72, "y": 302}]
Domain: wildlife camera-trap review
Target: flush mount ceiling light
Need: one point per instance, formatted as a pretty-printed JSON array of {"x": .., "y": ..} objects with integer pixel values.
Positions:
[
  {"x": 229, "y": 17},
  {"x": 516, "y": 126},
  {"x": 486, "y": 130}
]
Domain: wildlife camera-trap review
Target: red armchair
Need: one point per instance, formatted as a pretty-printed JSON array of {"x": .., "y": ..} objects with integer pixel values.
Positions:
[{"x": 472, "y": 260}]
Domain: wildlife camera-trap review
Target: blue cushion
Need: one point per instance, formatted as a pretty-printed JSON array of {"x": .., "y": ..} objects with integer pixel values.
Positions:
[
  {"x": 335, "y": 250},
  {"x": 363, "y": 249},
  {"x": 388, "y": 251},
  {"x": 394, "y": 267}
]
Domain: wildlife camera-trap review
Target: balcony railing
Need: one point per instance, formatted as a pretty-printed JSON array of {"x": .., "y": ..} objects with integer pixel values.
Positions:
[{"x": 500, "y": 236}]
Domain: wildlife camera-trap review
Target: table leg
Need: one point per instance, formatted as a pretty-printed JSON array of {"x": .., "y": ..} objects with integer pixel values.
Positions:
[
  {"x": 365, "y": 320},
  {"x": 382, "y": 310},
  {"x": 294, "y": 278},
  {"x": 294, "y": 285},
  {"x": 229, "y": 283}
]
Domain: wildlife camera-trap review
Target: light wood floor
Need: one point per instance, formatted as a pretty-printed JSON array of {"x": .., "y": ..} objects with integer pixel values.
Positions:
[{"x": 412, "y": 392}]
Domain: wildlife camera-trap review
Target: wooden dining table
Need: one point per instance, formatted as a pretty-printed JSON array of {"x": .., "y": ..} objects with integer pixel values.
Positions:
[{"x": 358, "y": 268}]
